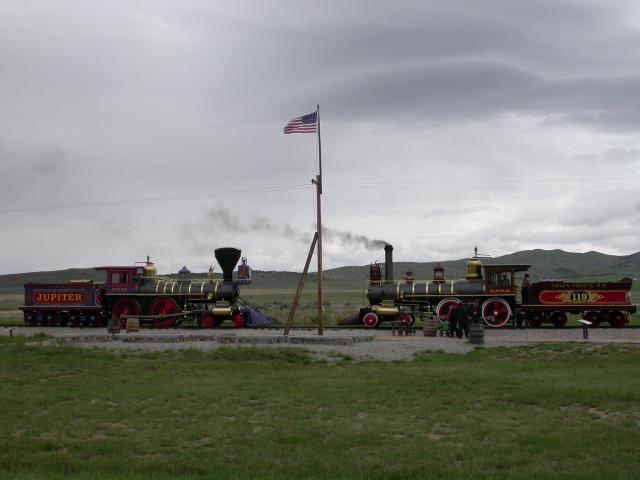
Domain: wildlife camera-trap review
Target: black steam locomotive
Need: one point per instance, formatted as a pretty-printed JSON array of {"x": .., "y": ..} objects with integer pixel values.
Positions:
[
  {"x": 494, "y": 286},
  {"x": 138, "y": 291}
]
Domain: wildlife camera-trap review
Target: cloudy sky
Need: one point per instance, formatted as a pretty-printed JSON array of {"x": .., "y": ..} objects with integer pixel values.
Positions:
[{"x": 132, "y": 127}]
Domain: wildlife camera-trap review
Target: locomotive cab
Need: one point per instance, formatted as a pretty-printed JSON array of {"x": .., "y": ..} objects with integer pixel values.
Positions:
[
  {"x": 121, "y": 279},
  {"x": 500, "y": 279}
]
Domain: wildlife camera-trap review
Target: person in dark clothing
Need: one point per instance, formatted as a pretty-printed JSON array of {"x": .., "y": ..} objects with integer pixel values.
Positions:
[
  {"x": 462, "y": 320},
  {"x": 453, "y": 321},
  {"x": 475, "y": 315},
  {"x": 526, "y": 284}
]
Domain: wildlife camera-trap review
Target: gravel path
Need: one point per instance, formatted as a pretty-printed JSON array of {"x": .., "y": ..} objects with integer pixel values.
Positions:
[{"x": 357, "y": 344}]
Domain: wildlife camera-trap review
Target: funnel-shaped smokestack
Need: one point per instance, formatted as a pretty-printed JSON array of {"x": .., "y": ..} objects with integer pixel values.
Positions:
[
  {"x": 228, "y": 259},
  {"x": 388, "y": 262}
]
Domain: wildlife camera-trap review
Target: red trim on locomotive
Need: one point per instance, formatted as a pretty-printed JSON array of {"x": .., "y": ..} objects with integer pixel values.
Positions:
[{"x": 585, "y": 297}]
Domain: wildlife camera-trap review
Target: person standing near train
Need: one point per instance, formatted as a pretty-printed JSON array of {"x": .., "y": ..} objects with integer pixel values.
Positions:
[
  {"x": 526, "y": 284},
  {"x": 461, "y": 316},
  {"x": 453, "y": 321},
  {"x": 476, "y": 315}
]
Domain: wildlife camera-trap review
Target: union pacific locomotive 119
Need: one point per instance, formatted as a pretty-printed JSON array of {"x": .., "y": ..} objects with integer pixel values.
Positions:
[
  {"x": 138, "y": 291},
  {"x": 495, "y": 288}
]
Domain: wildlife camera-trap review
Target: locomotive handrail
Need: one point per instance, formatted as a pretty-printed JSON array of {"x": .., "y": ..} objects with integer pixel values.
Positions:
[{"x": 169, "y": 315}]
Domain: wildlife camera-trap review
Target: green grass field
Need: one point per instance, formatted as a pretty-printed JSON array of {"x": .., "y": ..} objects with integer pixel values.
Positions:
[{"x": 563, "y": 411}]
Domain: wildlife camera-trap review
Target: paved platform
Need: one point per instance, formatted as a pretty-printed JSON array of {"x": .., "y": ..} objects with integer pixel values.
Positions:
[
  {"x": 355, "y": 343},
  {"x": 257, "y": 337}
]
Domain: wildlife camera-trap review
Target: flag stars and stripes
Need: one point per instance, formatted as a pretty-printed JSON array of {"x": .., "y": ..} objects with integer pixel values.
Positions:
[{"x": 305, "y": 124}]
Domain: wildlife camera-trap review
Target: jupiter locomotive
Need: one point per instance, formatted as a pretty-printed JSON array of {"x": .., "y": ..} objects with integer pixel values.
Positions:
[
  {"x": 138, "y": 291},
  {"x": 494, "y": 287}
]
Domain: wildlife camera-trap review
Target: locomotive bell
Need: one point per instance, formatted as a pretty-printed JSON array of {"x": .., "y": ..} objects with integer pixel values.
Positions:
[
  {"x": 474, "y": 269},
  {"x": 150, "y": 270}
]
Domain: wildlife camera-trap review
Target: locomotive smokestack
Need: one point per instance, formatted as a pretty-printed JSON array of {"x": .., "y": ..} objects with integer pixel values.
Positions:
[
  {"x": 388, "y": 262},
  {"x": 228, "y": 259}
]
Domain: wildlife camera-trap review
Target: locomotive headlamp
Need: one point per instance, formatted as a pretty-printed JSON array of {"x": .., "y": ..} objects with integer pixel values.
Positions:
[{"x": 210, "y": 296}]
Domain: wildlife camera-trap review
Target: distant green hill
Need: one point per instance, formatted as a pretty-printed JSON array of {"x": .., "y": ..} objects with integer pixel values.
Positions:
[{"x": 545, "y": 264}]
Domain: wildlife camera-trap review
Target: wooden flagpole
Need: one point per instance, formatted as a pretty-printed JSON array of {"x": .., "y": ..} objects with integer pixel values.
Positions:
[
  {"x": 317, "y": 241},
  {"x": 319, "y": 229}
]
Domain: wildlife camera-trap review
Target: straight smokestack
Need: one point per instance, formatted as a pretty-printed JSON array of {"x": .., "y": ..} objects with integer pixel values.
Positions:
[{"x": 388, "y": 262}]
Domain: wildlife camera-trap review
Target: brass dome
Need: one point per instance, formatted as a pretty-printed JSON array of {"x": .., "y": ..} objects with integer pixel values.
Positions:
[
  {"x": 474, "y": 269},
  {"x": 150, "y": 270}
]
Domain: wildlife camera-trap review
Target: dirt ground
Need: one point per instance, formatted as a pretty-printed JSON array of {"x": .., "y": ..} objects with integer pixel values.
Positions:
[{"x": 357, "y": 344}]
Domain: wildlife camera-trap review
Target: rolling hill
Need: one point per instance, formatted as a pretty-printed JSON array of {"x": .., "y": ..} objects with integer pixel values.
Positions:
[{"x": 545, "y": 264}]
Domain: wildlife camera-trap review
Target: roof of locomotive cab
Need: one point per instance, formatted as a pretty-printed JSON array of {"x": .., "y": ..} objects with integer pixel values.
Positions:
[
  {"x": 516, "y": 267},
  {"x": 108, "y": 268}
]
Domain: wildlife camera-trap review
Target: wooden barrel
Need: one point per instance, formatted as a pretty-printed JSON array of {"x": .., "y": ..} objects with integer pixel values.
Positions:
[
  {"x": 113, "y": 326},
  {"x": 133, "y": 324},
  {"x": 476, "y": 333},
  {"x": 430, "y": 327}
]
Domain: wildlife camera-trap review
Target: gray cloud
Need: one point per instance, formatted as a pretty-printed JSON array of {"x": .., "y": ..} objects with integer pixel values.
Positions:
[{"x": 443, "y": 123}]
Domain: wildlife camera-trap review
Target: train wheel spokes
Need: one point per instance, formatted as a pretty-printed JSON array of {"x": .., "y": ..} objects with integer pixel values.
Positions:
[
  {"x": 238, "y": 320},
  {"x": 559, "y": 319},
  {"x": 496, "y": 312},
  {"x": 594, "y": 317},
  {"x": 207, "y": 320},
  {"x": 446, "y": 307},
  {"x": 406, "y": 319},
  {"x": 164, "y": 306},
  {"x": 124, "y": 307},
  {"x": 371, "y": 320},
  {"x": 617, "y": 319}
]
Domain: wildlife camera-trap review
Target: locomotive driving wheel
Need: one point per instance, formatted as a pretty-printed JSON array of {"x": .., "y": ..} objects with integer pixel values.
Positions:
[
  {"x": 164, "y": 306},
  {"x": 446, "y": 307},
  {"x": 124, "y": 306},
  {"x": 496, "y": 312}
]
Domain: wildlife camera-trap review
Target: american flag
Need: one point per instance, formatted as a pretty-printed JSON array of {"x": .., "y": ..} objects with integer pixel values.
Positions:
[{"x": 305, "y": 124}]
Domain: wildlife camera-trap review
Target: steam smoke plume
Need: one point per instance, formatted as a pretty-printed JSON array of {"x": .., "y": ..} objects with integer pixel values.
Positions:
[{"x": 223, "y": 217}]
